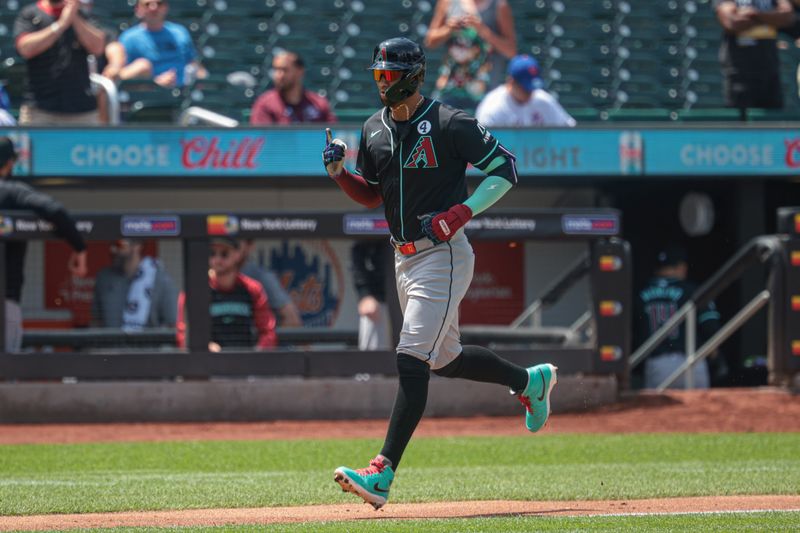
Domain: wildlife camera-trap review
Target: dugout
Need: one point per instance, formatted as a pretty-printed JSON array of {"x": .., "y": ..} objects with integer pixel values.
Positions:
[{"x": 91, "y": 358}]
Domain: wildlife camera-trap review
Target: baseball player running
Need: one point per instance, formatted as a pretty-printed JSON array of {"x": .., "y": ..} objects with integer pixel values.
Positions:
[{"x": 412, "y": 158}]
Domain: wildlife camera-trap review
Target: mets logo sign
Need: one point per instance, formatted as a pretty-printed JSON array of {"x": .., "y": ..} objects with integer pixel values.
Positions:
[
  {"x": 423, "y": 155},
  {"x": 312, "y": 274}
]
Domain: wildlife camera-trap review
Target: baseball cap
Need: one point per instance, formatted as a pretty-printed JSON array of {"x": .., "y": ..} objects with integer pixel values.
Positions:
[
  {"x": 671, "y": 255},
  {"x": 7, "y": 150},
  {"x": 524, "y": 69},
  {"x": 224, "y": 240}
]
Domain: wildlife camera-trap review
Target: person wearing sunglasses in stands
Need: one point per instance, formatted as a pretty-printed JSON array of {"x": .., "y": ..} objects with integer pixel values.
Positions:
[
  {"x": 55, "y": 37},
  {"x": 158, "y": 49},
  {"x": 240, "y": 312}
]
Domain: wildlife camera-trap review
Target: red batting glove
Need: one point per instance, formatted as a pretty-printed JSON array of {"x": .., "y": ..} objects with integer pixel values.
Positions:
[{"x": 446, "y": 224}]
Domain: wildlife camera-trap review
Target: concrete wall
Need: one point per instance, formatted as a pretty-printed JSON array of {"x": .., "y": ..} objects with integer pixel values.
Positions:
[{"x": 271, "y": 399}]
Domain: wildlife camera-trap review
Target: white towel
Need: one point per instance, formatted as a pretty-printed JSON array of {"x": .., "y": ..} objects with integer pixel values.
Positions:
[{"x": 137, "y": 308}]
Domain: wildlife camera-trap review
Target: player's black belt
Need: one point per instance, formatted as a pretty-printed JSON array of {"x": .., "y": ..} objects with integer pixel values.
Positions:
[{"x": 411, "y": 248}]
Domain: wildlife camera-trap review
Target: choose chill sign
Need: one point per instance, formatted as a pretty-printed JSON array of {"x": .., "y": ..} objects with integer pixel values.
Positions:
[
  {"x": 154, "y": 152},
  {"x": 721, "y": 152},
  {"x": 196, "y": 152}
]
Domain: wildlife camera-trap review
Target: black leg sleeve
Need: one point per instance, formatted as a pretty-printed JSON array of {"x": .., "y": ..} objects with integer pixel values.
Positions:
[
  {"x": 477, "y": 363},
  {"x": 412, "y": 395}
]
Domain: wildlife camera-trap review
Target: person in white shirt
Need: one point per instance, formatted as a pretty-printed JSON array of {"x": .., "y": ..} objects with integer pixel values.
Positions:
[{"x": 521, "y": 101}]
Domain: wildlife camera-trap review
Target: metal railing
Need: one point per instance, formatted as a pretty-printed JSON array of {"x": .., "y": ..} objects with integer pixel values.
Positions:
[
  {"x": 194, "y": 115},
  {"x": 110, "y": 88},
  {"x": 535, "y": 331},
  {"x": 105, "y": 338},
  {"x": 758, "y": 250}
]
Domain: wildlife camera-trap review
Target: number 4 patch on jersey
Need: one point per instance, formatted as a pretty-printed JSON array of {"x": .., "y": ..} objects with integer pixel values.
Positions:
[{"x": 423, "y": 155}]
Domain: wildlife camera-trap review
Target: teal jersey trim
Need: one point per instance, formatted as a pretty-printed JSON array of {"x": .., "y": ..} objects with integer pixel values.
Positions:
[
  {"x": 478, "y": 164},
  {"x": 496, "y": 162},
  {"x": 423, "y": 113},
  {"x": 402, "y": 213},
  {"x": 488, "y": 192}
]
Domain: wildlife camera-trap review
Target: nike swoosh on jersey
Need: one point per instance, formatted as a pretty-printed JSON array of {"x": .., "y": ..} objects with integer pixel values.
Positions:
[{"x": 374, "y": 133}]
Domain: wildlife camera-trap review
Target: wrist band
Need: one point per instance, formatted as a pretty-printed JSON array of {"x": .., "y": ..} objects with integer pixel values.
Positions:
[{"x": 54, "y": 27}]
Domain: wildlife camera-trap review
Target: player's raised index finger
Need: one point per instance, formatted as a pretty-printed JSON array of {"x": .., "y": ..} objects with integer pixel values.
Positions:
[{"x": 328, "y": 135}]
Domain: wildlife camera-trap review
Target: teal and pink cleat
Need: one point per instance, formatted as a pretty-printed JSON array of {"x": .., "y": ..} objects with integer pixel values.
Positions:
[
  {"x": 536, "y": 396},
  {"x": 371, "y": 483}
]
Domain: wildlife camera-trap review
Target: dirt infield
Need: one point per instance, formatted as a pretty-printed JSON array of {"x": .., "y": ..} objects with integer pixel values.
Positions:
[
  {"x": 402, "y": 511},
  {"x": 722, "y": 410},
  {"x": 716, "y": 410}
]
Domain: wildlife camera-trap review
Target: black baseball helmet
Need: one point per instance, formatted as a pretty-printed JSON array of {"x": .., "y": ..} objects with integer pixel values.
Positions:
[{"x": 399, "y": 53}]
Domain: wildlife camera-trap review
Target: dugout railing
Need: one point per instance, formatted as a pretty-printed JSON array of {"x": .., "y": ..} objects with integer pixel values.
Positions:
[
  {"x": 608, "y": 269},
  {"x": 781, "y": 294},
  {"x": 528, "y": 326}
]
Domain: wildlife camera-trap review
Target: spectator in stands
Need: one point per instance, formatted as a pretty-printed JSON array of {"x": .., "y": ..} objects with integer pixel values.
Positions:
[
  {"x": 793, "y": 30},
  {"x": 135, "y": 292},
  {"x": 17, "y": 195},
  {"x": 6, "y": 118},
  {"x": 521, "y": 101},
  {"x": 480, "y": 39},
  {"x": 369, "y": 262},
  {"x": 279, "y": 300},
  {"x": 240, "y": 314},
  {"x": 289, "y": 101},
  {"x": 666, "y": 292},
  {"x": 158, "y": 49},
  {"x": 110, "y": 63},
  {"x": 55, "y": 38},
  {"x": 749, "y": 52}
]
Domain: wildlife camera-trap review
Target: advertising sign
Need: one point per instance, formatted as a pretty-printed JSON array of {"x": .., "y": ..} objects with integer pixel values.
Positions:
[
  {"x": 722, "y": 152},
  {"x": 274, "y": 152}
]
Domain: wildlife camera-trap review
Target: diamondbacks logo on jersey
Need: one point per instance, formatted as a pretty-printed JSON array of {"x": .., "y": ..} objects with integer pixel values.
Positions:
[{"x": 423, "y": 155}]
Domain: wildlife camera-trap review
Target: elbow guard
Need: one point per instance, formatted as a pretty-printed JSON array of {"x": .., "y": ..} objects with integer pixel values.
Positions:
[{"x": 503, "y": 164}]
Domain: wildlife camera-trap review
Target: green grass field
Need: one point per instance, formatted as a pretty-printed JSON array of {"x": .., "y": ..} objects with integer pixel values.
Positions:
[{"x": 37, "y": 479}]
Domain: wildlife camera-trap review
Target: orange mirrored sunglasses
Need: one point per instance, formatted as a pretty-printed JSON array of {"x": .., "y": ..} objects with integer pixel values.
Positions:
[{"x": 390, "y": 75}]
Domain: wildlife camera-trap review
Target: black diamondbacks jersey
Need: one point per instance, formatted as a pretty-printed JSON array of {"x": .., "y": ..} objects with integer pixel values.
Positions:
[
  {"x": 419, "y": 165},
  {"x": 658, "y": 301}
]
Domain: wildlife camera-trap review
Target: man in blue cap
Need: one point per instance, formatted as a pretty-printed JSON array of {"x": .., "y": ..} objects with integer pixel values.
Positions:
[{"x": 522, "y": 101}]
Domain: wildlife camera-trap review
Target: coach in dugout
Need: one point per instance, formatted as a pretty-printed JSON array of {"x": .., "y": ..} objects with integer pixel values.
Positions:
[
  {"x": 17, "y": 195},
  {"x": 55, "y": 37}
]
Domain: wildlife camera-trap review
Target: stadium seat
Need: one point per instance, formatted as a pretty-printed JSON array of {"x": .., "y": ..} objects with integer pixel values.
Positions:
[
  {"x": 145, "y": 101},
  {"x": 639, "y": 115},
  {"x": 181, "y": 9},
  {"x": 723, "y": 114},
  {"x": 583, "y": 114},
  {"x": 774, "y": 115},
  {"x": 13, "y": 75}
]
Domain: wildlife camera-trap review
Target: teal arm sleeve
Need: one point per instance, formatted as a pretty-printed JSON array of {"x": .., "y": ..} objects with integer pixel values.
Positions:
[{"x": 488, "y": 192}]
